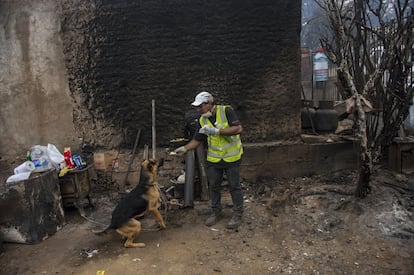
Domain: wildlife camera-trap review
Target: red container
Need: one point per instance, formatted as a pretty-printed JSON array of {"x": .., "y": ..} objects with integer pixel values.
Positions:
[{"x": 68, "y": 157}]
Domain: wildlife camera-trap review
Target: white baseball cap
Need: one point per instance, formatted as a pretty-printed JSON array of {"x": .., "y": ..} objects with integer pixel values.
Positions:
[{"x": 201, "y": 98}]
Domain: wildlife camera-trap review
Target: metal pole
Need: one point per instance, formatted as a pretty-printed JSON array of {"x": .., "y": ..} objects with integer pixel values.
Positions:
[
  {"x": 312, "y": 80},
  {"x": 189, "y": 178},
  {"x": 202, "y": 169},
  {"x": 153, "y": 129},
  {"x": 145, "y": 156}
]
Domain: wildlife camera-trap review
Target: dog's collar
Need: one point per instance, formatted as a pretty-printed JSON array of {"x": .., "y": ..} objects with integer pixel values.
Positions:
[{"x": 152, "y": 183}]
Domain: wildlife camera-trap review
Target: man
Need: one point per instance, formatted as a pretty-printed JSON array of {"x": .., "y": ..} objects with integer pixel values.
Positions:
[{"x": 220, "y": 126}]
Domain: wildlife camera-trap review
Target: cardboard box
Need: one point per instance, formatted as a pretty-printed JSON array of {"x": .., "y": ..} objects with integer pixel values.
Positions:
[
  {"x": 99, "y": 161},
  {"x": 104, "y": 160}
]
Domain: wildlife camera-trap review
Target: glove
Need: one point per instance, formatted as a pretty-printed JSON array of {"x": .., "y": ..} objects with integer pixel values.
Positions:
[
  {"x": 209, "y": 130},
  {"x": 180, "y": 150}
]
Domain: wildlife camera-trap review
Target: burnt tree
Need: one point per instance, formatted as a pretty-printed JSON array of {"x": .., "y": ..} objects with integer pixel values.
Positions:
[{"x": 371, "y": 42}]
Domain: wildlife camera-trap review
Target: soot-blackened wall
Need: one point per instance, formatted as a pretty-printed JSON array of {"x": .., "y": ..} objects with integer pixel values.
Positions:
[{"x": 122, "y": 54}]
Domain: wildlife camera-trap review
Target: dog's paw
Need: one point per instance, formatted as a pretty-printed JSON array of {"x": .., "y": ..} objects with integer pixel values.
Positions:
[{"x": 132, "y": 244}]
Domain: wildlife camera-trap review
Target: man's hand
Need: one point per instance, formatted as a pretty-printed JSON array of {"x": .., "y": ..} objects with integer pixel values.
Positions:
[
  {"x": 180, "y": 150},
  {"x": 209, "y": 130}
]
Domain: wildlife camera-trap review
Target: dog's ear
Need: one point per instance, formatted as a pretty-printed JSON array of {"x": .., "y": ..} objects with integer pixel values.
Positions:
[
  {"x": 145, "y": 163},
  {"x": 151, "y": 165}
]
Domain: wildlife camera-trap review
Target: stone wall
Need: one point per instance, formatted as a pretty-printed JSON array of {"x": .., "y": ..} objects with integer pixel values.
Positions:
[{"x": 122, "y": 54}]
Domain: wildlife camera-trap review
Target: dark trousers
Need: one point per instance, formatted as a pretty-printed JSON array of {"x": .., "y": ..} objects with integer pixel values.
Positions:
[{"x": 215, "y": 179}]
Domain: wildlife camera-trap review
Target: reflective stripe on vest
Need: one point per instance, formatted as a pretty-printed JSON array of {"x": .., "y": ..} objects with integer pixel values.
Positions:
[{"x": 228, "y": 148}]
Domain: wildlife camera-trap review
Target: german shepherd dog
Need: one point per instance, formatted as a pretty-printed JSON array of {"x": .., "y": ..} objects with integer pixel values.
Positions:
[{"x": 144, "y": 197}]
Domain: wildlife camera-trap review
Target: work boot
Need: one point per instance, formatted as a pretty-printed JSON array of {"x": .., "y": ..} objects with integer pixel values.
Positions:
[
  {"x": 235, "y": 221},
  {"x": 214, "y": 218}
]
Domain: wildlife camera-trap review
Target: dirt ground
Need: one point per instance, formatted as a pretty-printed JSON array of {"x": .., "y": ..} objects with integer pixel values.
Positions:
[{"x": 307, "y": 225}]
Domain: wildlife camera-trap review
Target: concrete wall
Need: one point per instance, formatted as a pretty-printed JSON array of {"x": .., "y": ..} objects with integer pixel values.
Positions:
[
  {"x": 275, "y": 160},
  {"x": 35, "y": 102}
]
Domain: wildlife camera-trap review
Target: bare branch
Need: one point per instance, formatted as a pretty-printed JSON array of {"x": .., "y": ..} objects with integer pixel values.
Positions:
[{"x": 372, "y": 48}]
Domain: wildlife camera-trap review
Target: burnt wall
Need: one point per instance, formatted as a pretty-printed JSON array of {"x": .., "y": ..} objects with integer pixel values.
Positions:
[{"x": 122, "y": 54}]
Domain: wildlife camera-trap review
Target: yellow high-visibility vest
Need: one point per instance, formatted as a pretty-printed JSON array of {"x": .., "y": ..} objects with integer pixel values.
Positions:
[{"x": 227, "y": 148}]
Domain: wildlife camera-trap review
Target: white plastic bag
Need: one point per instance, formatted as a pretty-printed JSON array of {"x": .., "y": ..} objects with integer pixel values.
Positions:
[{"x": 55, "y": 156}]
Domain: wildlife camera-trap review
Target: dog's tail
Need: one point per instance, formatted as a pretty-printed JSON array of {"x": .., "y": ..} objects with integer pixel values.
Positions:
[
  {"x": 100, "y": 232},
  {"x": 107, "y": 227}
]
